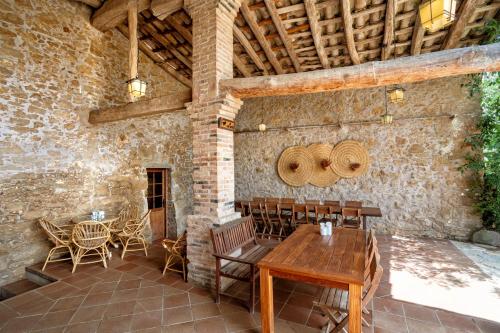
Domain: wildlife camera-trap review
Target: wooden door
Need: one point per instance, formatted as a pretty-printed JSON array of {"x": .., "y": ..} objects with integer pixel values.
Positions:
[{"x": 157, "y": 199}]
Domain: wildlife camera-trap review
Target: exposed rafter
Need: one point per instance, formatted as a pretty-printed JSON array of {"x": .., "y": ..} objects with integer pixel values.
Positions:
[
  {"x": 428, "y": 66},
  {"x": 271, "y": 8},
  {"x": 463, "y": 16},
  {"x": 389, "y": 29},
  {"x": 163, "y": 8},
  {"x": 417, "y": 37},
  {"x": 91, "y": 3},
  {"x": 345, "y": 8},
  {"x": 271, "y": 56},
  {"x": 241, "y": 66},
  {"x": 313, "y": 17},
  {"x": 249, "y": 49}
]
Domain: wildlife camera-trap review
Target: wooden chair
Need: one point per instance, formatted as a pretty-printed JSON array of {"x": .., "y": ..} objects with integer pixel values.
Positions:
[
  {"x": 287, "y": 200},
  {"x": 260, "y": 199},
  {"x": 176, "y": 253},
  {"x": 237, "y": 236},
  {"x": 90, "y": 239},
  {"x": 257, "y": 211},
  {"x": 133, "y": 235},
  {"x": 313, "y": 202},
  {"x": 334, "y": 203},
  {"x": 60, "y": 236},
  {"x": 353, "y": 204},
  {"x": 334, "y": 303},
  {"x": 274, "y": 220},
  {"x": 351, "y": 218},
  {"x": 325, "y": 214},
  {"x": 299, "y": 215},
  {"x": 276, "y": 200}
]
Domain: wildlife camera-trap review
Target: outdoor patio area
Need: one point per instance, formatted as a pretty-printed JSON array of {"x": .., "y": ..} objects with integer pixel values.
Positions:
[{"x": 427, "y": 286}]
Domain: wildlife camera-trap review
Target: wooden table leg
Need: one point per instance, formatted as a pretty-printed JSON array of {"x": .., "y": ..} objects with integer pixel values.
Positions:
[
  {"x": 355, "y": 292},
  {"x": 266, "y": 301},
  {"x": 364, "y": 222}
]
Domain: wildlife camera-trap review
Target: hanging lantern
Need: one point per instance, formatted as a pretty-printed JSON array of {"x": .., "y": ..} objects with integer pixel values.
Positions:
[
  {"x": 396, "y": 95},
  {"x": 437, "y": 14},
  {"x": 262, "y": 127},
  {"x": 136, "y": 87},
  {"x": 386, "y": 119}
]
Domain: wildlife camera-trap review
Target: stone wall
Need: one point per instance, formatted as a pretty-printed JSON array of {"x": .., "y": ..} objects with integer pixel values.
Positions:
[
  {"x": 413, "y": 176},
  {"x": 55, "y": 68}
]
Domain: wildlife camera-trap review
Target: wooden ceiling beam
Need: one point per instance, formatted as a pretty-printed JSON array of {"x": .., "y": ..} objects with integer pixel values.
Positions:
[
  {"x": 163, "y": 8},
  {"x": 424, "y": 67},
  {"x": 114, "y": 12},
  {"x": 91, "y": 3},
  {"x": 142, "y": 108},
  {"x": 241, "y": 65},
  {"x": 389, "y": 29},
  {"x": 257, "y": 32},
  {"x": 249, "y": 49},
  {"x": 185, "y": 32},
  {"x": 345, "y": 8},
  {"x": 313, "y": 15},
  {"x": 169, "y": 69},
  {"x": 417, "y": 37},
  {"x": 456, "y": 31},
  {"x": 271, "y": 8}
]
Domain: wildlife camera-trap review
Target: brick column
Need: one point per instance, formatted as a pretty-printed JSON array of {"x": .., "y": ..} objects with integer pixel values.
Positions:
[{"x": 213, "y": 156}]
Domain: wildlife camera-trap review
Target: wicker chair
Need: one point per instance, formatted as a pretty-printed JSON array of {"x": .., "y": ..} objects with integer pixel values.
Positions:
[
  {"x": 176, "y": 253},
  {"x": 130, "y": 212},
  {"x": 60, "y": 236},
  {"x": 133, "y": 235},
  {"x": 90, "y": 239}
]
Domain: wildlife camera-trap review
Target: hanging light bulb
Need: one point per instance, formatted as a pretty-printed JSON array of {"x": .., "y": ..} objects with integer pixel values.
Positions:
[{"x": 262, "y": 127}]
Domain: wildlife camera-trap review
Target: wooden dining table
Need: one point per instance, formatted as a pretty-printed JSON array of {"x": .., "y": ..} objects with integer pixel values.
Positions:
[{"x": 335, "y": 261}]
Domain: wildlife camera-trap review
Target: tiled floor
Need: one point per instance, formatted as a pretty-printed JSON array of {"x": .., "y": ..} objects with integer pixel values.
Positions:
[{"x": 132, "y": 296}]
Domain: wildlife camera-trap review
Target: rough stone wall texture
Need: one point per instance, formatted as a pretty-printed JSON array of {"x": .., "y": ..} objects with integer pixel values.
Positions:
[
  {"x": 413, "y": 176},
  {"x": 54, "y": 69}
]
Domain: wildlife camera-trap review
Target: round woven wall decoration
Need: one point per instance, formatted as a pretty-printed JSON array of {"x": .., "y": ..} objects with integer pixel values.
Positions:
[
  {"x": 295, "y": 166},
  {"x": 322, "y": 174},
  {"x": 349, "y": 159}
]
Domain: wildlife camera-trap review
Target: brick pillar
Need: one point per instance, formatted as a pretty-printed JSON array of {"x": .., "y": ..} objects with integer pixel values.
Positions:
[{"x": 213, "y": 156}]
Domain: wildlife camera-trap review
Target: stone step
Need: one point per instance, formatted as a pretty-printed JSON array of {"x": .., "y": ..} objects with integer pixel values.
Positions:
[{"x": 17, "y": 288}]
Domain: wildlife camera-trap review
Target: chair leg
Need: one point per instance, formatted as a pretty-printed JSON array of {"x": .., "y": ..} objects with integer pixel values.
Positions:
[
  {"x": 217, "y": 281},
  {"x": 125, "y": 247},
  {"x": 77, "y": 260},
  {"x": 145, "y": 247},
  {"x": 51, "y": 252},
  {"x": 104, "y": 257},
  {"x": 184, "y": 269},
  {"x": 252, "y": 289}
]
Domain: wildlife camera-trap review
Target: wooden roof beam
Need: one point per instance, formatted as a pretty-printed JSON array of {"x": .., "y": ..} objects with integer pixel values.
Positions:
[
  {"x": 429, "y": 66},
  {"x": 456, "y": 31},
  {"x": 257, "y": 32},
  {"x": 417, "y": 38},
  {"x": 345, "y": 8},
  {"x": 313, "y": 15},
  {"x": 241, "y": 65},
  {"x": 114, "y": 12},
  {"x": 142, "y": 108},
  {"x": 91, "y": 3},
  {"x": 164, "y": 8},
  {"x": 389, "y": 29},
  {"x": 271, "y": 8},
  {"x": 249, "y": 49}
]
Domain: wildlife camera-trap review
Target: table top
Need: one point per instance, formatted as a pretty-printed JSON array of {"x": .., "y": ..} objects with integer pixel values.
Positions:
[
  {"x": 88, "y": 218},
  {"x": 337, "y": 258}
]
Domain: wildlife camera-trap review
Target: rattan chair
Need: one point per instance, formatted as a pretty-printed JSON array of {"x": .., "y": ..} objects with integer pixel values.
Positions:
[
  {"x": 175, "y": 254},
  {"x": 130, "y": 212},
  {"x": 334, "y": 303},
  {"x": 60, "y": 236},
  {"x": 132, "y": 236},
  {"x": 90, "y": 239}
]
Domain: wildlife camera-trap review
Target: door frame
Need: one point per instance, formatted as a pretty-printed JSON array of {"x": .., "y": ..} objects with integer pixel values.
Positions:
[{"x": 165, "y": 180}]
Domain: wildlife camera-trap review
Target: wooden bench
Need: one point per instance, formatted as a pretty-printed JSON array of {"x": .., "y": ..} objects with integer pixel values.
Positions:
[{"x": 237, "y": 251}]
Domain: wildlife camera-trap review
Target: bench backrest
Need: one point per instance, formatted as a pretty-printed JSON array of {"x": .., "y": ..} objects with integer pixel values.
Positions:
[{"x": 233, "y": 235}]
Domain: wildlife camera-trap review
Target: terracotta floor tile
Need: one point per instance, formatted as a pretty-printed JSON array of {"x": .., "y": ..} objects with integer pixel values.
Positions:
[
  {"x": 198, "y": 299},
  {"x": 385, "y": 320},
  {"x": 67, "y": 303},
  {"x": 103, "y": 287},
  {"x": 88, "y": 314},
  {"x": 146, "y": 320},
  {"x": 388, "y": 305},
  {"x": 212, "y": 325},
  {"x": 153, "y": 291},
  {"x": 83, "y": 327},
  {"x": 458, "y": 321},
  {"x": 317, "y": 320},
  {"x": 115, "y": 325},
  {"x": 180, "y": 328},
  {"x": 54, "y": 319},
  {"x": 177, "y": 315},
  {"x": 97, "y": 299},
  {"x": 226, "y": 308},
  {"x": 124, "y": 295},
  {"x": 36, "y": 306},
  {"x": 294, "y": 313},
  {"x": 149, "y": 304},
  {"x": 238, "y": 321},
  {"x": 487, "y": 326},
  {"x": 20, "y": 324},
  {"x": 126, "y": 267},
  {"x": 6, "y": 313},
  {"x": 420, "y": 312},
  {"x": 120, "y": 309},
  {"x": 305, "y": 301},
  {"x": 129, "y": 284},
  {"x": 176, "y": 300},
  {"x": 205, "y": 310},
  {"x": 417, "y": 326}
]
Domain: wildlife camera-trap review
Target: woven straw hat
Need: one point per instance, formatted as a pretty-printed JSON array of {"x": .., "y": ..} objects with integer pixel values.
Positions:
[
  {"x": 349, "y": 159},
  {"x": 295, "y": 166},
  {"x": 322, "y": 175}
]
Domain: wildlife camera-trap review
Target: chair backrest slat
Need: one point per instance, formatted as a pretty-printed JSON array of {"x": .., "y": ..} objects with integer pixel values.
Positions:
[
  {"x": 233, "y": 235},
  {"x": 354, "y": 204}
]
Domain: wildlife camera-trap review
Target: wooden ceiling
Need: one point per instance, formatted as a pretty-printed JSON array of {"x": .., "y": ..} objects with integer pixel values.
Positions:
[{"x": 289, "y": 36}]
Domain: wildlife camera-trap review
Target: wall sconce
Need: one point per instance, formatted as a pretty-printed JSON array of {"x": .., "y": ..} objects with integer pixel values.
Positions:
[
  {"x": 396, "y": 95},
  {"x": 386, "y": 119},
  {"x": 262, "y": 127}
]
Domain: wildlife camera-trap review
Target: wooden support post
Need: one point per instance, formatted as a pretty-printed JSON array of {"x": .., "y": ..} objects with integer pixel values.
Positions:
[
  {"x": 428, "y": 66},
  {"x": 345, "y": 8},
  {"x": 133, "y": 42}
]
